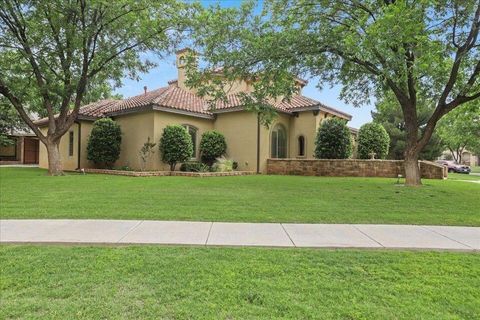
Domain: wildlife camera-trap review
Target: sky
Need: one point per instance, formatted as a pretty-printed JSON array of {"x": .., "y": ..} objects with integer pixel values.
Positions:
[{"x": 166, "y": 70}]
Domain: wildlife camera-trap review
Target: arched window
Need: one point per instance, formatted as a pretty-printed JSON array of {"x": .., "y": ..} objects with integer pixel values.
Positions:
[
  {"x": 301, "y": 146},
  {"x": 192, "y": 131},
  {"x": 279, "y": 142}
]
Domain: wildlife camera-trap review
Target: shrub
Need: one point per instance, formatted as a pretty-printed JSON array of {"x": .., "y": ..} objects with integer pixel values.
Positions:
[
  {"x": 146, "y": 151},
  {"x": 175, "y": 145},
  {"x": 373, "y": 138},
  {"x": 212, "y": 146},
  {"x": 223, "y": 165},
  {"x": 333, "y": 140},
  {"x": 194, "y": 166},
  {"x": 104, "y": 142}
]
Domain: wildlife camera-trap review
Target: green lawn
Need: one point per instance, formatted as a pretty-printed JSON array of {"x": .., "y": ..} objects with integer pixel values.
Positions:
[
  {"x": 476, "y": 169},
  {"x": 29, "y": 193},
  {"x": 142, "y": 282}
]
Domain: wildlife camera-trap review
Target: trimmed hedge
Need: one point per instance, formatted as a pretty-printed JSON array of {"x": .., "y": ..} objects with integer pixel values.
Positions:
[
  {"x": 372, "y": 137},
  {"x": 175, "y": 145},
  {"x": 212, "y": 146},
  {"x": 333, "y": 140},
  {"x": 104, "y": 142}
]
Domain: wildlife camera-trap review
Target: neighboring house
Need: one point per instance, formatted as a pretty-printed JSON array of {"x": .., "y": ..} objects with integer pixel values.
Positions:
[
  {"x": 467, "y": 158},
  {"x": 23, "y": 150},
  {"x": 291, "y": 135}
]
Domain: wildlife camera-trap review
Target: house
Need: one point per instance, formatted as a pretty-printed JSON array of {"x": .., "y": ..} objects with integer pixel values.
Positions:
[
  {"x": 23, "y": 150},
  {"x": 248, "y": 143}
]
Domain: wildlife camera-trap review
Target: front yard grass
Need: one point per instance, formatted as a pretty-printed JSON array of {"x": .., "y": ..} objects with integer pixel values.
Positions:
[
  {"x": 143, "y": 282},
  {"x": 29, "y": 193}
]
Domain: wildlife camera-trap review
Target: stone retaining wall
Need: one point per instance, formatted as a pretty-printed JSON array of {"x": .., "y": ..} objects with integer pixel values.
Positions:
[
  {"x": 168, "y": 173},
  {"x": 350, "y": 168}
]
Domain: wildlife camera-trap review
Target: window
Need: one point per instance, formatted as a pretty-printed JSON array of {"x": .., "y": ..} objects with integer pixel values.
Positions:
[
  {"x": 301, "y": 146},
  {"x": 279, "y": 142},
  {"x": 192, "y": 131},
  {"x": 70, "y": 144}
]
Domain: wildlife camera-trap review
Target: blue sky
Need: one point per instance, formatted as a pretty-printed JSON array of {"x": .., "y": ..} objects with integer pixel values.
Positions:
[{"x": 166, "y": 70}]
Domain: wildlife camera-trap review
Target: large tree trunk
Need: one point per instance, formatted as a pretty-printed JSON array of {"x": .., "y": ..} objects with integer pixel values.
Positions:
[
  {"x": 412, "y": 170},
  {"x": 55, "y": 167}
]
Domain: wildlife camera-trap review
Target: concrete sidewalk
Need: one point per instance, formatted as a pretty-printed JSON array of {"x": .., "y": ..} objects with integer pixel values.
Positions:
[{"x": 240, "y": 234}]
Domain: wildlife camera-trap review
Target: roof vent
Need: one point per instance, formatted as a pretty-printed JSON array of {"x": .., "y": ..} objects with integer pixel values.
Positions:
[{"x": 145, "y": 89}]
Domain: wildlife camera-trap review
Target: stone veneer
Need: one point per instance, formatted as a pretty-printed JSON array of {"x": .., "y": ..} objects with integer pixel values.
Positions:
[
  {"x": 167, "y": 173},
  {"x": 351, "y": 168}
]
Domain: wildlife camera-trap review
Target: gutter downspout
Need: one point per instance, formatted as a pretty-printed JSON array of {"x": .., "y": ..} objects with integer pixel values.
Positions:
[
  {"x": 79, "y": 143},
  {"x": 258, "y": 143}
]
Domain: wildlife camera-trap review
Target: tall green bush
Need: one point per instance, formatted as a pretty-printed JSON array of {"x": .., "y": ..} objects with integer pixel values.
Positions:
[
  {"x": 175, "y": 145},
  {"x": 333, "y": 140},
  {"x": 373, "y": 138},
  {"x": 103, "y": 146},
  {"x": 212, "y": 146}
]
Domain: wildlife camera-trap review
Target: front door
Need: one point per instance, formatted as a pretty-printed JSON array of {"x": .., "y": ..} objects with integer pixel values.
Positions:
[{"x": 30, "y": 151}]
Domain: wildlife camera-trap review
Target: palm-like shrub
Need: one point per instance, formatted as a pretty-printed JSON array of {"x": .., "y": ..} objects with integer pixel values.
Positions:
[
  {"x": 104, "y": 142},
  {"x": 212, "y": 146},
  {"x": 373, "y": 139},
  {"x": 333, "y": 140},
  {"x": 175, "y": 145}
]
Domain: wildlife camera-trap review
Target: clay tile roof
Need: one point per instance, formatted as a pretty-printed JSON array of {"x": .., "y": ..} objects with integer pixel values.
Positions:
[
  {"x": 298, "y": 101},
  {"x": 178, "y": 98},
  {"x": 141, "y": 100},
  {"x": 97, "y": 109}
]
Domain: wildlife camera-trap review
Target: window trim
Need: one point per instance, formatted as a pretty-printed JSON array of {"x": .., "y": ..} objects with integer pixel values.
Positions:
[
  {"x": 274, "y": 129},
  {"x": 299, "y": 155},
  {"x": 71, "y": 143}
]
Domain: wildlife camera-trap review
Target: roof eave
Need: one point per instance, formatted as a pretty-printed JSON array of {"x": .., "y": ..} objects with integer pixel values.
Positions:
[
  {"x": 324, "y": 109},
  {"x": 240, "y": 108}
]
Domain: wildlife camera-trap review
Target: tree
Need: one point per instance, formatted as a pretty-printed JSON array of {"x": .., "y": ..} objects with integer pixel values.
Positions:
[
  {"x": 389, "y": 114},
  {"x": 104, "y": 142},
  {"x": 175, "y": 145},
  {"x": 421, "y": 52},
  {"x": 146, "y": 151},
  {"x": 9, "y": 122},
  {"x": 212, "y": 146},
  {"x": 373, "y": 140},
  {"x": 52, "y": 53},
  {"x": 333, "y": 140},
  {"x": 460, "y": 130}
]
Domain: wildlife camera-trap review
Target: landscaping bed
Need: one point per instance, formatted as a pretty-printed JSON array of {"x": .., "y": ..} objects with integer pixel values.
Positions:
[{"x": 167, "y": 173}]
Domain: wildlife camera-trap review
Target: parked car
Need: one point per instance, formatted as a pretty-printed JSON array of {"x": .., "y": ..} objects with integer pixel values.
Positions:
[{"x": 455, "y": 167}]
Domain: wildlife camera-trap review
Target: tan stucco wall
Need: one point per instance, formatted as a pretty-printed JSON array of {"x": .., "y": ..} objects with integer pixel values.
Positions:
[
  {"x": 240, "y": 130},
  {"x": 304, "y": 124},
  {"x": 162, "y": 119},
  {"x": 136, "y": 128},
  {"x": 69, "y": 162}
]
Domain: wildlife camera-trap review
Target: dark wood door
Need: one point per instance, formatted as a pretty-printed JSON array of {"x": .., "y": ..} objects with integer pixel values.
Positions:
[{"x": 30, "y": 151}]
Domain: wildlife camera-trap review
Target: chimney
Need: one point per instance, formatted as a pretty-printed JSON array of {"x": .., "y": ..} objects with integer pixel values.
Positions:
[
  {"x": 145, "y": 89},
  {"x": 181, "y": 62}
]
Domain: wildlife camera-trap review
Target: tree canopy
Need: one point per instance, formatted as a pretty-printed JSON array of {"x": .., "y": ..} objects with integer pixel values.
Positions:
[
  {"x": 460, "y": 130},
  {"x": 55, "y": 54},
  {"x": 419, "y": 51}
]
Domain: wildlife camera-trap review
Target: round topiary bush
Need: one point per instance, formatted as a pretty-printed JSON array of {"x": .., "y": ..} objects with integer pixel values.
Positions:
[
  {"x": 104, "y": 142},
  {"x": 212, "y": 146},
  {"x": 333, "y": 140},
  {"x": 175, "y": 145},
  {"x": 373, "y": 138}
]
